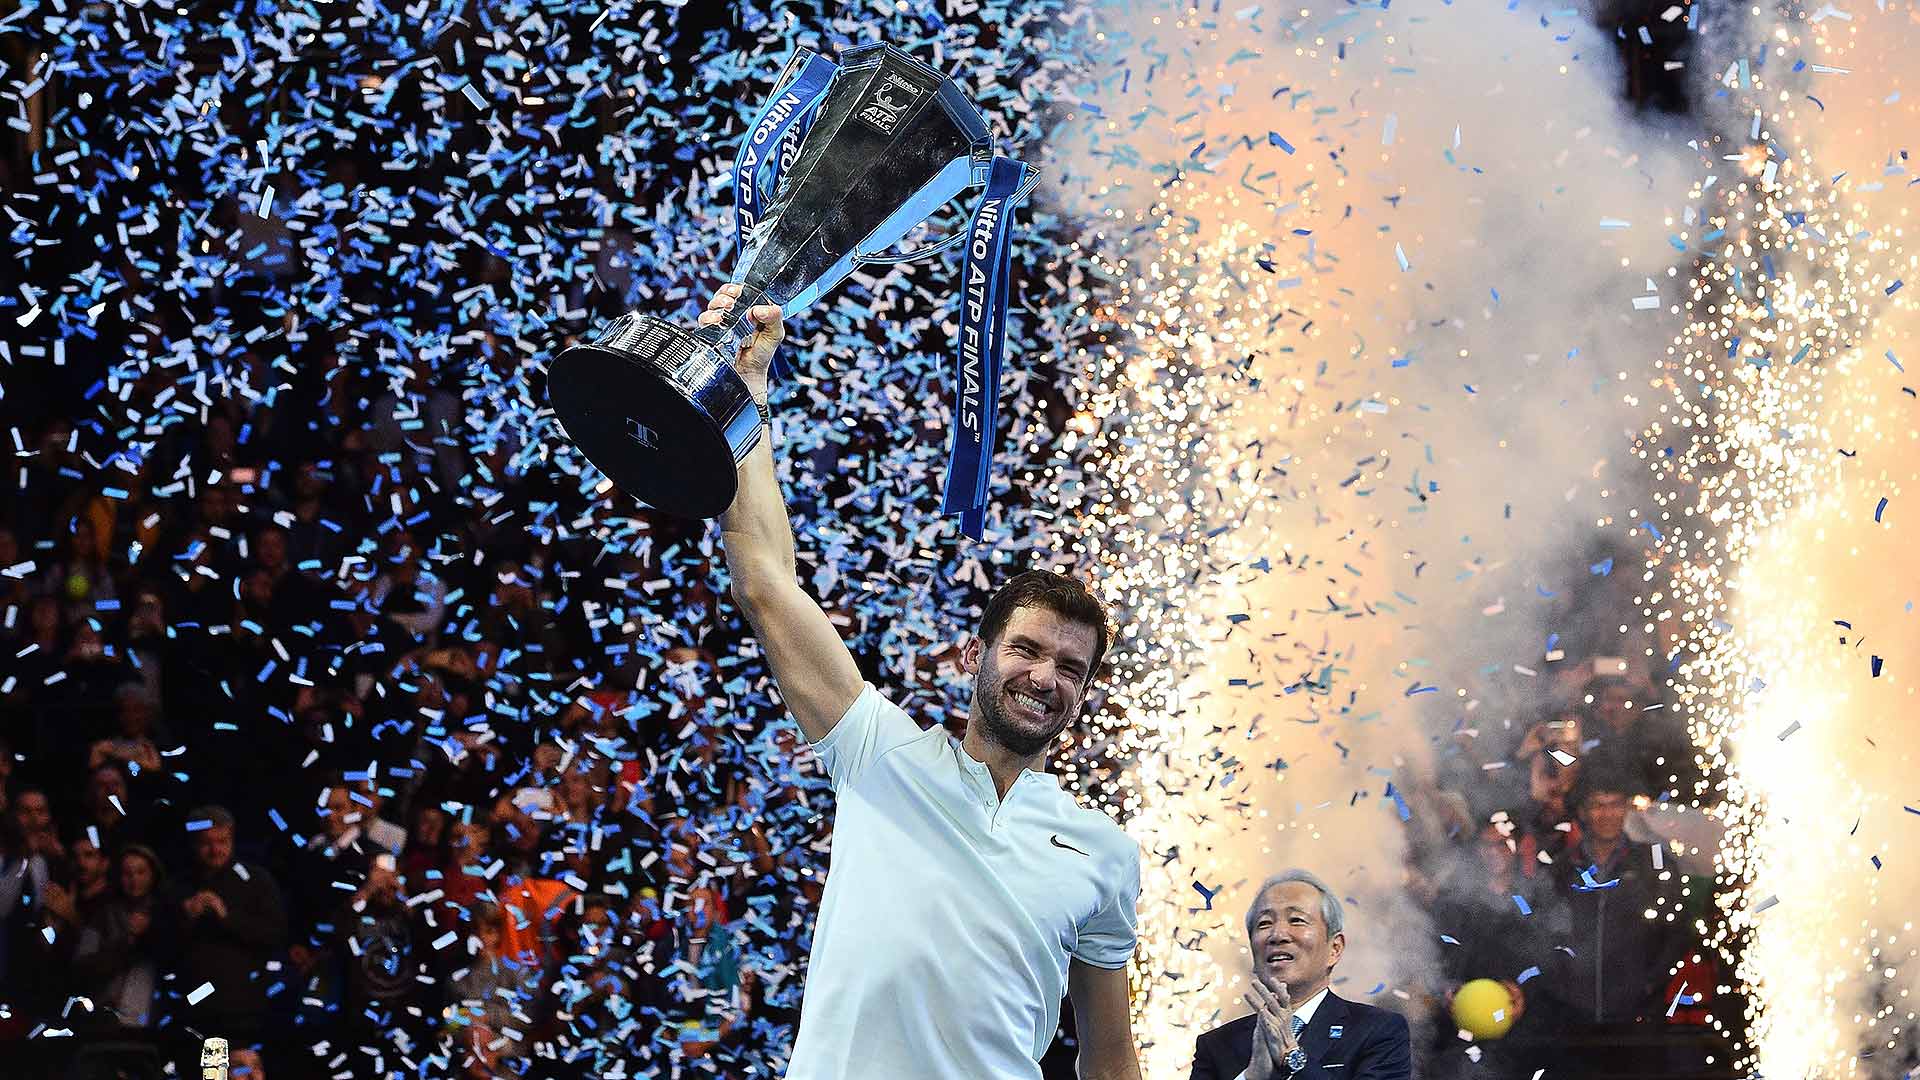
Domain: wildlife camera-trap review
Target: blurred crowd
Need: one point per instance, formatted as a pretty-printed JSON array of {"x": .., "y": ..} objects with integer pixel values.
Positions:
[
  {"x": 305, "y": 742},
  {"x": 1563, "y": 856}
]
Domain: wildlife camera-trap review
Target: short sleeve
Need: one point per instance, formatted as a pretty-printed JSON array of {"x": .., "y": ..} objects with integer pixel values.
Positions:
[
  {"x": 871, "y": 727},
  {"x": 1108, "y": 938}
]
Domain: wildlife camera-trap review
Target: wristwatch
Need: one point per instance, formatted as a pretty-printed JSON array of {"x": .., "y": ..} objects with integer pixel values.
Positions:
[
  {"x": 766, "y": 414},
  {"x": 1296, "y": 1060}
]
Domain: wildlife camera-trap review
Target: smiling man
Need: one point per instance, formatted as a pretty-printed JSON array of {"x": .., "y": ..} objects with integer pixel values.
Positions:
[
  {"x": 968, "y": 892},
  {"x": 1300, "y": 1029}
]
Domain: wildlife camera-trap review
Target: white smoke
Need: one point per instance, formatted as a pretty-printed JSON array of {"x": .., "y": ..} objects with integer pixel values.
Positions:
[{"x": 1451, "y": 368}]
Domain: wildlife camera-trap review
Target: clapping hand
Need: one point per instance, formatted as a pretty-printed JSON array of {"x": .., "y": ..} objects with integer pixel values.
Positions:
[
  {"x": 1264, "y": 1066},
  {"x": 60, "y": 903},
  {"x": 205, "y": 902},
  {"x": 1273, "y": 1030}
]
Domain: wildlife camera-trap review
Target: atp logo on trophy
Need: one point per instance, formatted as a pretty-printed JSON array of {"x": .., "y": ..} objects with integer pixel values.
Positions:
[{"x": 883, "y": 110}]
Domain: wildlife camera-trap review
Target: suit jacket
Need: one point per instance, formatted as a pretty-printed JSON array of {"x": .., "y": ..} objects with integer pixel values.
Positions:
[{"x": 1345, "y": 1040}]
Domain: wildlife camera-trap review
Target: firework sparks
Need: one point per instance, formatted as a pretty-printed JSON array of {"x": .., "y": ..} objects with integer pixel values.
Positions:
[
  {"x": 1320, "y": 331},
  {"x": 1782, "y": 434}
]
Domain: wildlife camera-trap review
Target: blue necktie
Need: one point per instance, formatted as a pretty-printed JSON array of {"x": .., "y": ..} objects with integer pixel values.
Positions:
[{"x": 1298, "y": 1024}]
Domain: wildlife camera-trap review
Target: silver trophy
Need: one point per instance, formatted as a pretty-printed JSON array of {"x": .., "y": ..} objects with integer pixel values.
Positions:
[{"x": 659, "y": 408}]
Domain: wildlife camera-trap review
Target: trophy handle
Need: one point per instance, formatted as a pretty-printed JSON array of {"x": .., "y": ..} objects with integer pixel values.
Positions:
[{"x": 894, "y": 258}]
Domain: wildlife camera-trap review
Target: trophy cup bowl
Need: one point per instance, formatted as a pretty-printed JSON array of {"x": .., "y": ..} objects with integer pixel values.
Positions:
[{"x": 659, "y": 408}]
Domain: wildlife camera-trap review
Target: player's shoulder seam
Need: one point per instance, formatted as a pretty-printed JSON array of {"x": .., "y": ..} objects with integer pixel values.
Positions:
[{"x": 921, "y": 736}]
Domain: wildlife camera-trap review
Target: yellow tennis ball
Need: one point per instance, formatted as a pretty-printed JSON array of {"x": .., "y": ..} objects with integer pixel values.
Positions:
[
  {"x": 1483, "y": 1009},
  {"x": 77, "y": 587}
]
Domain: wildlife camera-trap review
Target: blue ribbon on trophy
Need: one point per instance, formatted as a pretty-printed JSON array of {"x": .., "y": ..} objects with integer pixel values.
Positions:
[
  {"x": 981, "y": 345},
  {"x": 774, "y": 138}
]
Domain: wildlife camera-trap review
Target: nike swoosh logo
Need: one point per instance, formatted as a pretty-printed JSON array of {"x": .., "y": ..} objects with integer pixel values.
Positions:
[{"x": 1059, "y": 844}]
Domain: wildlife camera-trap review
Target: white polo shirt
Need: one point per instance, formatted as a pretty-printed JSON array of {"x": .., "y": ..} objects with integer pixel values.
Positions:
[{"x": 943, "y": 941}]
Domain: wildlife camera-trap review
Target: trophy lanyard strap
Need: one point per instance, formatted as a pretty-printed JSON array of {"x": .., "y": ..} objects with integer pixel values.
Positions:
[
  {"x": 775, "y": 136},
  {"x": 769, "y": 144},
  {"x": 982, "y": 343}
]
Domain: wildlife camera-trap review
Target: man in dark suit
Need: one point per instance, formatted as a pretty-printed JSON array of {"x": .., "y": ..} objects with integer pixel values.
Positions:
[{"x": 1298, "y": 932}]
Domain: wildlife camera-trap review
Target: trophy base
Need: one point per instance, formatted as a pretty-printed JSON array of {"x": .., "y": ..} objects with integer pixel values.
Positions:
[{"x": 660, "y": 411}]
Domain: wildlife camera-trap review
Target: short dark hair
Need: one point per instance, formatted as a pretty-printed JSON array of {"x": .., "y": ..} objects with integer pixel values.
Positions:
[
  {"x": 1576, "y": 707},
  {"x": 1065, "y": 596},
  {"x": 21, "y": 791},
  {"x": 216, "y": 817},
  {"x": 1600, "y": 773}
]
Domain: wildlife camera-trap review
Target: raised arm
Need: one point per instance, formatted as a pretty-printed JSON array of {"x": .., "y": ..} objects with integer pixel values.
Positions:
[{"x": 816, "y": 674}]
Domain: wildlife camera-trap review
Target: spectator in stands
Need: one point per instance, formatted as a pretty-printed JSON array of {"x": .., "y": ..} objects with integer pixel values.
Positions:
[
  {"x": 371, "y": 799},
  {"x": 76, "y": 708},
  {"x": 245, "y": 1063},
  {"x": 132, "y": 744},
  {"x": 420, "y": 415},
  {"x": 80, "y": 574},
  {"x": 1551, "y": 755},
  {"x": 115, "y": 960},
  {"x": 110, "y": 810},
  {"x": 73, "y": 903},
  {"x": 14, "y": 589},
  {"x": 408, "y": 595},
  {"x": 1623, "y": 931},
  {"x": 232, "y": 922},
  {"x": 593, "y": 982},
  {"x": 1643, "y": 745},
  {"x": 1498, "y": 919},
  {"x": 531, "y": 900},
  {"x": 380, "y": 942},
  {"x": 6, "y": 781},
  {"x": 428, "y": 846},
  {"x": 332, "y": 860},
  {"x": 33, "y": 828},
  {"x": 492, "y": 997},
  {"x": 315, "y": 537},
  {"x": 468, "y": 859},
  {"x": 147, "y": 646},
  {"x": 195, "y": 598},
  {"x": 31, "y": 862}
]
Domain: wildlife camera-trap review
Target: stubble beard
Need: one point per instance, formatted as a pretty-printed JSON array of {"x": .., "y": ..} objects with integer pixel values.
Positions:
[{"x": 999, "y": 728}]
